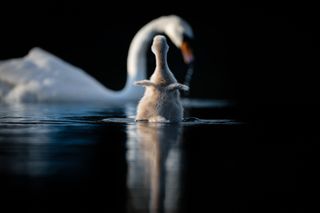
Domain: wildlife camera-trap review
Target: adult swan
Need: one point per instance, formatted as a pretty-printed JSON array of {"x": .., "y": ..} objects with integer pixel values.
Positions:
[{"x": 43, "y": 77}]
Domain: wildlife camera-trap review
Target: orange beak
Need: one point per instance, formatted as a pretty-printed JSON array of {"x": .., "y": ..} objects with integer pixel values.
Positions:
[{"x": 186, "y": 52}]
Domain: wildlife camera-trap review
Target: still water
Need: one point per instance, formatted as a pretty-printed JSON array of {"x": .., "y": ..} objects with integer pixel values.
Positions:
[{"x": 95, "y": 158}]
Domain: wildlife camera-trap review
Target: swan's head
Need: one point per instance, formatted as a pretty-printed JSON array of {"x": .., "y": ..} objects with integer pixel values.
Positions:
[
  {"x": 178, "y": 30},
  {"x": 160, "y": 45}
]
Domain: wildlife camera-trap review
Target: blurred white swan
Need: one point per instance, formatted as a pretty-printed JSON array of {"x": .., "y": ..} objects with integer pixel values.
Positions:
[{"x": 43, "y": 77}]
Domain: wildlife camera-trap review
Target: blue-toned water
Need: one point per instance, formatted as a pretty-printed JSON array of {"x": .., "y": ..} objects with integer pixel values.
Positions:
[{"x": 96, "y": 158}]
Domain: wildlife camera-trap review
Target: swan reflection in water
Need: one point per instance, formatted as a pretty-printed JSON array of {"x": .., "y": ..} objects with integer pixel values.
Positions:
[{"x": 154, "y": 160}]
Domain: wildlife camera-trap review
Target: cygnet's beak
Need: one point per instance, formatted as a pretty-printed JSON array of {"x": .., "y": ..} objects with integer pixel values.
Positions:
[{"x": 187, "y": 52}]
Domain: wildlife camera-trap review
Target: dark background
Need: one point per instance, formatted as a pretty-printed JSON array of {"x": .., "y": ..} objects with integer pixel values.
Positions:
[
  {"x": 262, "y": 55},
  {"x": 264, "y": 58}
]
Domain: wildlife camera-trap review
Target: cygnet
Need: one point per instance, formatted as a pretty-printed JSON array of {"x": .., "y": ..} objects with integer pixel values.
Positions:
[{"x": 161, "y": 100}]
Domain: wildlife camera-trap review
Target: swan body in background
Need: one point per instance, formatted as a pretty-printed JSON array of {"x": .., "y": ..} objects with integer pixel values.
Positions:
[
  {"x": 43, "y": 77},
  {"x": 161, "y": 101}
]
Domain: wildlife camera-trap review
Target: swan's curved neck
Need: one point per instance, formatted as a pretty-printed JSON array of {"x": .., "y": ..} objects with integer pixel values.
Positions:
[{"x": 136, "y": 61}]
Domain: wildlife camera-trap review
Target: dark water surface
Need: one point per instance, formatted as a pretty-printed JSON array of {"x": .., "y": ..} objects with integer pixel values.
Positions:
[{"x": 95, "y": 158}]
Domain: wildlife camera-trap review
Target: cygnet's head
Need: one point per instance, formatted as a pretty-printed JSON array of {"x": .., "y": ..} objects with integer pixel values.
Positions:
[{"x": 160, "y": 45}]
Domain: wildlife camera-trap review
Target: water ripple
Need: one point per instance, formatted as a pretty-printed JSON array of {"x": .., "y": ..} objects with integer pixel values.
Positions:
[{"x": 191, "y": 121}]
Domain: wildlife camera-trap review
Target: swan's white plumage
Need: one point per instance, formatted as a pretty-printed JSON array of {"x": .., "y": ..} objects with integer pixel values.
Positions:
[{"x": 43, "y": 77}]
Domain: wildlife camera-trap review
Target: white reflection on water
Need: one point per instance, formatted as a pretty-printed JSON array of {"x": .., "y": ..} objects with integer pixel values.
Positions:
[
  {"x": 154, "y": 158},
  {"x": 42, "y": 140}
]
